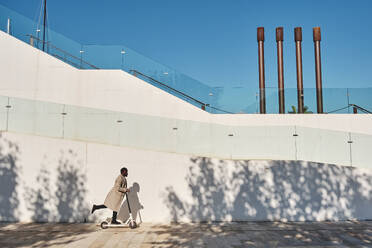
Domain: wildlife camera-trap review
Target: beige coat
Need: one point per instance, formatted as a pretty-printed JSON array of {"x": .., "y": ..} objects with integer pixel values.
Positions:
[{"x": 116, "y": 195}]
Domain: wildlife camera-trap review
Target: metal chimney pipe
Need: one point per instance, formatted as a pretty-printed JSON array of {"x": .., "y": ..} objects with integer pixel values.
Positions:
[
  {"x": 318, "y": 70},
  {"x": 279, "y": 43},
  {"x": 300, "y": 86},
  {"x": 261, "y": 67}
]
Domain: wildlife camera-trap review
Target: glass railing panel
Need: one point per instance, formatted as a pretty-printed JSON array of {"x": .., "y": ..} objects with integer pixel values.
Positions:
[
  {"x": 3, "y": 112},
  {"x": 361, "y": 155},
  {"x": 34, "y": 117},
  {"x": 310, "y": 100},
  {"x": 212, "y": 96},
  {"x": 272, "y": 101},
  {"x": 335, "y": 100},
  {"x": 270, "y": 142},
  {"x": 20, "y": 25},
  {"x": 105, "y": 57},
  {"x": 59, "y": 46},
  {"x": 361, "y": 97},
  {"x": 172, "y": 91},
  {"x": 3, "y": 18},
  {"x": 320, "y": 145},
  {"x": 55, "y": 44},
  {"x": 72, "y": 50},
  {"x": 91, "y": 125},
  {"x": 236, "y": 99},
  {"x": 192, "y": 87},
  {"x": 120, "y": 57},
  {"x": 290, "y": 100}
]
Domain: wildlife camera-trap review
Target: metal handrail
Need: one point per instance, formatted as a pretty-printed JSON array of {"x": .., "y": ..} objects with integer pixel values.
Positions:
[
  {"x": 64, "y": 52},
  {"x": 360, "y": 108},
  {"x": 135, "y": 72},
  {"x": 351, "y": 105},
  {"x": 168, "y": 87}
]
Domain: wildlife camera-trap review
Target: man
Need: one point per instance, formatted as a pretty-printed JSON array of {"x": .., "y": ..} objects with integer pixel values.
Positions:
[{"x": 115, "y": 196}]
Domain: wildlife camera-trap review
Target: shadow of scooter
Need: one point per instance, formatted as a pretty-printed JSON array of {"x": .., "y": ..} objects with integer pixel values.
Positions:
[{"x": 135, "y": 205}]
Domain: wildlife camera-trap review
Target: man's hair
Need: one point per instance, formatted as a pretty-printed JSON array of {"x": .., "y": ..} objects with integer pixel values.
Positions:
[{"x": 123, "y": 169}]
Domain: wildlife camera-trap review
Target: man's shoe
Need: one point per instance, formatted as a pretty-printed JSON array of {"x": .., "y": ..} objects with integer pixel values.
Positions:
[
  {"x": 115, "y": 222},
  {"x": 94, "y": 208}
]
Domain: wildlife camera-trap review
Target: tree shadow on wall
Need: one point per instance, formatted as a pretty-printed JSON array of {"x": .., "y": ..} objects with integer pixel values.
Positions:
[
  {"x": 225, "y": 190},
  {"x": 272, "y": 190},
  {"x": 40, "y": 199},
  {"x": 9, "y": 180},
  {"x": 66, "y": 204},
  {"x": 208, "y": 193},
  {"x": 71, "y": 189}
]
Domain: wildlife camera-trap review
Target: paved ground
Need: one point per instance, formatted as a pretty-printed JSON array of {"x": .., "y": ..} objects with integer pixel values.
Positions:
[{"x": 243, "y": 234}]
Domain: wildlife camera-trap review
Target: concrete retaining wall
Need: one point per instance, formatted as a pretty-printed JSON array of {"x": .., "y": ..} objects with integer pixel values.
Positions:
[{"x": 45, "y": 179}]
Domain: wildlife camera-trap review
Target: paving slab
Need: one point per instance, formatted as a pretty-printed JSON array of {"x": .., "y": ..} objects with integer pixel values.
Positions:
[{"x": 224, "y": 234}]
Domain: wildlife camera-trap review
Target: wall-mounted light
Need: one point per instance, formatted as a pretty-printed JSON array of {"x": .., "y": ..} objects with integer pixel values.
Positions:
[
  {"x": 165, "y": 73},
  {"x": 210, "y": 94},
  {"x": 122, "y": 52},
  {"x": 175, "y": 128},
  {"x": 119, "y": 121},
  {"x": 230, "y": 135}
]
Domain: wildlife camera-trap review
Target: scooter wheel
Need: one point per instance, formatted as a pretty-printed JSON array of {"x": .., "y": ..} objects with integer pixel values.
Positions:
[
  {"x": 104, "y": 225},
  {"x": 132, "y": 224}
]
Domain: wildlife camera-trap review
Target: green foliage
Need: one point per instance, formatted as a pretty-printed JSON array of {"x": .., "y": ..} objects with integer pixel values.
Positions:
[{"x": 294, "y": 110}]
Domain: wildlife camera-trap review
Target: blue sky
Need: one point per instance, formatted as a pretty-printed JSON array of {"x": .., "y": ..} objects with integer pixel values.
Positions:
[{"x": 215, "y": 41}]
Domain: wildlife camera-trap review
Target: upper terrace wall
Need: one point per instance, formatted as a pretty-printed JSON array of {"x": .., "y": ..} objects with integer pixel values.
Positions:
[
  {"x": 32, "y": 74},
  {"x": 29, "y": 73}
]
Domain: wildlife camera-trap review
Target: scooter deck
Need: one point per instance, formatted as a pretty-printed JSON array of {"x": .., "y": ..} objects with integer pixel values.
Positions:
[
  {"x": 105, "y": 225},
  {"x": 117, "y": 225}
]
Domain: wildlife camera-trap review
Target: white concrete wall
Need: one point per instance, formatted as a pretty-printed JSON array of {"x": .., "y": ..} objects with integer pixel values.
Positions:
[
  {"x": 46, "y": 179},
  {"x": 31, "y": 74}
]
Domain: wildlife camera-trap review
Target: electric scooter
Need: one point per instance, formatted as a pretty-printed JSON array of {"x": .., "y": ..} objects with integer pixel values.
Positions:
[{"x": 130, "y": 221}]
